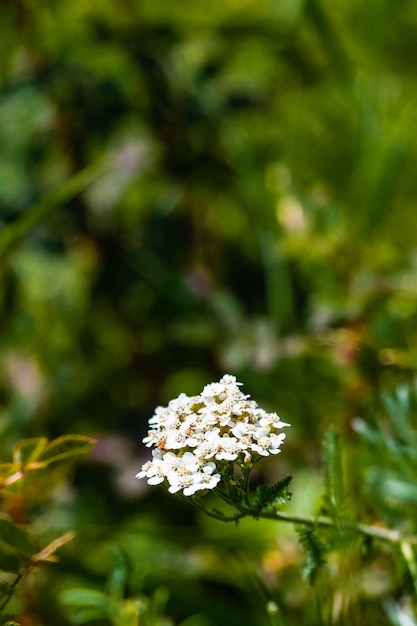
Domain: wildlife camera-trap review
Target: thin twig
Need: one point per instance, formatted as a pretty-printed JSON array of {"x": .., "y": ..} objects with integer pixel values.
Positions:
[{"x": 12, "y": 589}]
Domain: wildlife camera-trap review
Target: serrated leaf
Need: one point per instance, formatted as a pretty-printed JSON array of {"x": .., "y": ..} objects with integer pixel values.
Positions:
[
  {"x": 333, "y": 471},
  {"x": 64, "y": 447},
  {"x": 16, "y": 538},
  {"x": 273, "y": 495},
  {"x": 337, "y": 497},
  {"x": 27, "y": 451},
  {"x": 314, "y": 551}
]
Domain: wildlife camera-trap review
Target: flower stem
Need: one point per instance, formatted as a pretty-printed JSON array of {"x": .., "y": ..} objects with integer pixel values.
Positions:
[
  {"x": 377, "y": 532},
  {"x": 218, "y": 515},
  {"x": 246, "y": 475}
]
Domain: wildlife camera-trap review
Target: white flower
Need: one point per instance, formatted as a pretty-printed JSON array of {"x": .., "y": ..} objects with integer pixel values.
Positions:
[{"x": 195, "y": 437}]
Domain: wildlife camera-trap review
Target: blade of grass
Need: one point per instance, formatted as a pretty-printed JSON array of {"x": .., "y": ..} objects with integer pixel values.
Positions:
[{"x": 35, "y": 214}]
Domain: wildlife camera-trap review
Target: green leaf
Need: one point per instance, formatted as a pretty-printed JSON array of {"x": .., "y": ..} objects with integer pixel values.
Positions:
[
  {"x": 9, "y": 562},
  {"x": 273, "y": 495},
  {"x": 333, "y": 472},
  {"x": 84, "y": 597},
  {"x": 314, "y": 551},
  {"x": 336, "y": 497},
  {"x": 85, "y": 615},
  {"x": 368, "y": 433},
  {"x": 64, "y": 447},
  {"x": 397, "y": 615},
  {"x": 86, "y": 604},
  {"x": 14, "y": 537},
  {"x": 400, "y": 490},
  {"x": 27, "y": 451}
]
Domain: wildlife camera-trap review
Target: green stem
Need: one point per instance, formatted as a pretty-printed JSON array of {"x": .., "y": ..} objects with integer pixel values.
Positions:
[
  {"x": 246, "y": 475},
  {"x": 199, "y": 504},
  {"x": 385, "y": 534},
  {"x": 224, "y": 518}
]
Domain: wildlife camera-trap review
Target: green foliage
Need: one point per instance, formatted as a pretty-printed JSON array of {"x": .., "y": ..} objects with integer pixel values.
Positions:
[
  {"x": 64, "y": 447},
  {"x": 87, "y": 605},
  {"x": 37, "y": 453},
  {"x": 314, "y": 553},
  {"x": 10, "y": 562},
  {"x": 273, "y": 496},
  {"x": 397, "y": 615},
  {"x": 337, "y": 500},
  {"x": 19, "y": 550},
  {"x": 16, "y": 538},
  {"x": 28, "y": 451},
  {"x": 393, "y": 438},
  {"x": 189, "y": 189}
]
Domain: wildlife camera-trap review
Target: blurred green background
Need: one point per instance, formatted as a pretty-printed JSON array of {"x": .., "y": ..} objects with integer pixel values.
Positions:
[{"x": 190, "y": 189}]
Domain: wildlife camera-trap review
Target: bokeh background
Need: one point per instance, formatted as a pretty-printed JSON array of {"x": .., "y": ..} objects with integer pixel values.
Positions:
[{"x": 189, "y": 189}]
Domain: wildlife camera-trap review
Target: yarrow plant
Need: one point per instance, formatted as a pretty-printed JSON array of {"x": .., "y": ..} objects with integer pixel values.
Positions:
[
  {"x": 209, "y": 441},
  {"x": 212, "y": 441}
]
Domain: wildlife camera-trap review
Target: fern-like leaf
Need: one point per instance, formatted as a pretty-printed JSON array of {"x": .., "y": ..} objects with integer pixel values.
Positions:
[
  {"x": 314, "y": 553},
  {"x": 338, "y": 503},
  {"x": 273, "y": 496}
]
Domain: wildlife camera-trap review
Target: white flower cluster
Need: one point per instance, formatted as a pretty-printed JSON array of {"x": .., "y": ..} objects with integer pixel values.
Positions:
[{"x": 195, "y": 436}]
